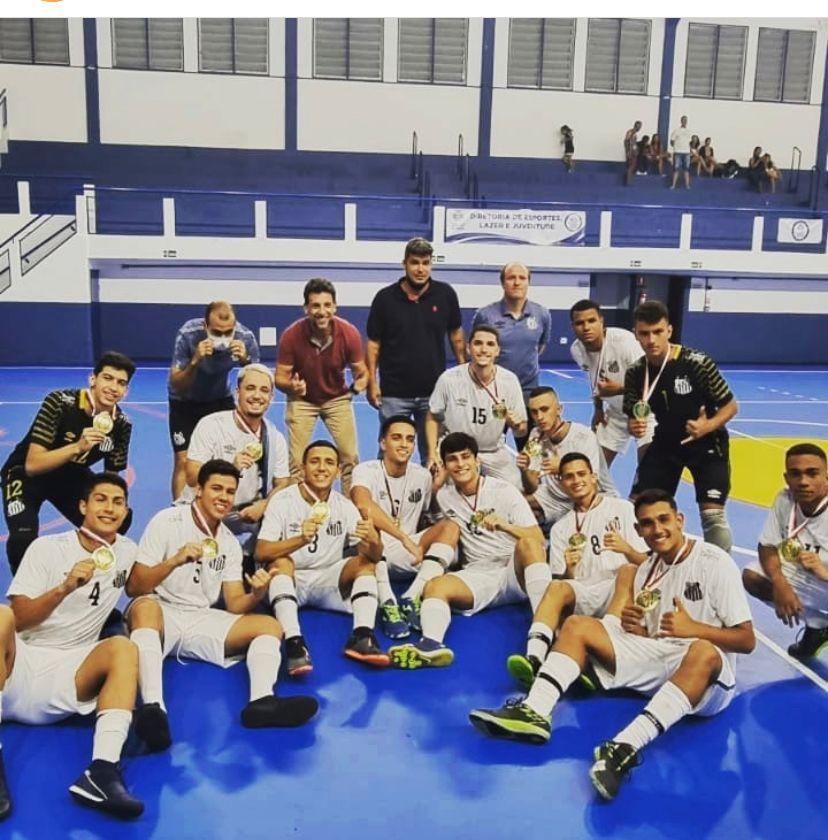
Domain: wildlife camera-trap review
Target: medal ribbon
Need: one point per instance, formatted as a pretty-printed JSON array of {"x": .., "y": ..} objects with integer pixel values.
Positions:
[
  {"x": 95, "y": 408},
  {"x": 396, "y": 506},
  {"x": 793, "y": 531},
  {"x": 648, "y": 390},
  {"x": 477, "y": 490},
  {"x": 653, "y": 578},
  {"x": 243, "y": 423},
  {"x": 313, "y": 495},
  {"x": 495, "y": 398},
  {"x": 579, "y": 525},
  {"x": 95, "y": 538},
  {"x": 201, "y": 522}
]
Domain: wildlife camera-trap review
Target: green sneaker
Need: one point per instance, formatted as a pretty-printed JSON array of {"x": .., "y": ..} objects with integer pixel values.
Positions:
[
  {"x": 410, "y": 609},
  {"x": 516, "y": 721},
  {"x": 423, "y": 654},
  {"x": 523, "y": 669},
  {"x": 614, "y": 762},
  {"x": 394, "y": 626}
]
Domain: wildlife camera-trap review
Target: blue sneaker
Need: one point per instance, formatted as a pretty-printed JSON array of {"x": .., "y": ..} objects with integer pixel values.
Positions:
[
  {"x": 393, "y": 624},
  {"x": 424, "y": 654},
  {"x": 410, "y": 609},
  {"x": 101, "y": 786}
]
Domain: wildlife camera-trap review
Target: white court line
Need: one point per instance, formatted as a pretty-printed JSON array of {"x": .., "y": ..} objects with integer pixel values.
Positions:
[
  {"x": 558, "y": 373},
  {"x": 758, "y": 440},
  {"x": 778, "y": 422},
  {"x": 759, "y": 370}
]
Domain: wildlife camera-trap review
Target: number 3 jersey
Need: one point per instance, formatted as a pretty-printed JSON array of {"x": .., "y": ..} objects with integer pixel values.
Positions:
[{"x": 78, "y": 619}]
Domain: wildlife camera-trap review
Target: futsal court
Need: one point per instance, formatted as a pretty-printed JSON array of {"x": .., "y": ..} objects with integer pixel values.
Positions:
[{"x": 391, "y": 753}]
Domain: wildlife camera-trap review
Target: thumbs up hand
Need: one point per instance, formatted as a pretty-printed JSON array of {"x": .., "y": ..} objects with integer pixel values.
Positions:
[
  {"x": 678, "y": 623},
  {"x": 699, "y": 427}
]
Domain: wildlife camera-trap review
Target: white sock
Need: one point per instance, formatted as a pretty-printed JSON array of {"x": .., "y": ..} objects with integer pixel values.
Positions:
[
  {"x": 435, "y": 617},
  {"x": 364, "y": 601},
  {"x": 282, "y": 596},
  {"x": 554, "y": 678},
  {"x": 111, "y": 729},
  {"x": 263, "y": 659},
  {"x": 536, "y": 576},
  {"x": 539, "y": 640},
  {"x": 384, "y": 590},
  {"x": 667, "y": 706},
  {"x": 150, "y": 664},
  {"x": 435, "y": 563}
]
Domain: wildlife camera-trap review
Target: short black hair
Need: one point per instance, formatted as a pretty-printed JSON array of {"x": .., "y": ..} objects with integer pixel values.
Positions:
[
  {"x": 574, "y": 456},
  {"x": 653, "y": 496},
  {"x": 216, "y": 466},
  {"x": 584, "y": 306},
  {"x": 487, "y": 328},
  {"x": 806, "y": 449},
  {"x": 315, "y": 444},
  {"x": 651, "y": 312},
  {"x": 541, "y": 390},
  {"x": 115, "y": 360},
  {"x": 419, "y": 247},
  {"x": 457, "y": 442},
  {"x": 396, "y": 418},
  {"x": 317, "y": 286},
  {"x": 95, "y": 479}
]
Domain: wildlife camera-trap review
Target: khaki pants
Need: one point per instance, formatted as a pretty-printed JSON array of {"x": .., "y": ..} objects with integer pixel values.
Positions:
[{"x": 338, "y": 417}]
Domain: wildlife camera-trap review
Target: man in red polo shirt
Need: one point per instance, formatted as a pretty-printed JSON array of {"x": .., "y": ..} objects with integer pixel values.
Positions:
[{"x": 313, "y": 354}]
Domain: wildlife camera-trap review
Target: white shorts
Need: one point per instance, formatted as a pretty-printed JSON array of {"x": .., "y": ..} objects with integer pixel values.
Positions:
[
  {"x": 591, "y": 598},
  {"x": 399, "y": 560},
  {"x": 552, "y": 507},
  {"x": 320, "y": 588},
  {"x": 41, "y": 688},
  {"x": 616, "y": 436},
  {"x": 644, "y": 665},
  {"x": 198, "y": 634},
  {"x": 812, "y": 592},
  {"x": 491, "y": 586},
  {"x": 500, "y": 464}
]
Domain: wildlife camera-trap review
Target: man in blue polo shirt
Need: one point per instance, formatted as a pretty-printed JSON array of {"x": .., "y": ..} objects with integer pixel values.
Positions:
[{"x": 524, "y": 327}]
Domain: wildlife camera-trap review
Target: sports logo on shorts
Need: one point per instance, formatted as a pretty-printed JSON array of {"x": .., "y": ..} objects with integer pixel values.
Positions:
[
  {"x": 693, "y": 591},
  {"x": 682, "y": 386},
  {"x": 178, "y": 438},
  {"x": 713, "y": 493}
]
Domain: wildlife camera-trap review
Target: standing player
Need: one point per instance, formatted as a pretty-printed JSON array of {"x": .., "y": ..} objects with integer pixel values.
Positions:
[
  {"x": 587, "y": 547},
  {"x": 792, "y": 572},
  {"x": 691, "y": 402},
  {"x": 306, "y": 531},
  {"x": 671, "y": 632},
  {"x": 480, "y": 399},
  {"x": 55, "y": 666},
  {"x": 187, "y": 560},
  {"x": 396, "y": 494},
  {"x": 503, "y": 554},
  {"x": 605, "y": 353},
  {"x": 73, "y": 429}
]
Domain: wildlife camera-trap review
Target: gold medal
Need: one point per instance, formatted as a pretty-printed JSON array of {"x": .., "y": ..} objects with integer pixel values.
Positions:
[
  {"x": 533, "y": 448},
  {"x": 499, "y": 410},
  {"x": 641, "y": 410},
  {"x": 648, "y": 599},
  {"x": 103, "y": 557},
  {"x": 254, "y": 449},
  {"x": 790, "y": 549},
  {"x": 577, "y": 541},
  {"x": 209, "y": 549},
  {"x": 103, "y": 422},
  {"x": 477, "y": 518},
  {"x": 320, "y": 512}
]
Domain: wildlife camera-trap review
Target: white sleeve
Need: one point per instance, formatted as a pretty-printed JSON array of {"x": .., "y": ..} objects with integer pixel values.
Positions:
[
  {"x": 519, "y": 512},
  {"x": 32, "y": 578},
  {"x": 729, "y": 599},
  {"x": 515, "y": 402},
  {"x": 233, "y": 569},
  {"x": 201, "y": 446},
  {"x": 360, "y": 477},
  {"x": 274, "y": 520},
  {"x": 153, "y": 547},
  {"x": 279, "y": 456},
  {"x": 632, "y": 350},
  {"x": 773, "y": 531},
  {"x": 426, "y": 493},
  {"x": 351, "y": 516},
  {"x": 557, "y": 546},
  {"x": 437, "y": 400},
  {"x": 629, "y": 533}
]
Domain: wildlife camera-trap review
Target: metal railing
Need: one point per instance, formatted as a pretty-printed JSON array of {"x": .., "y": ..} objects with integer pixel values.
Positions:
[
  {"x": 459, "y": 162},
  {"x": 44, "y": 240},
  {"x": 414, "y": 150},
  {"x": 793, "y": 172}
]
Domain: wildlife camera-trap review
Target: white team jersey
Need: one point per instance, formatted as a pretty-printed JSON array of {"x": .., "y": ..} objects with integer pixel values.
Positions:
[
  {"x": 620, "y": 351},
  {"x": 596, "y": 563},
  {"x": 464, "y": 406},
  {"x": 581, "y": 439},
  {"x": 193, "y": 586},
  {"x": 287, "y": 510},
  {"x": 480, "y": 546},
  {"x": 709, "y": 584},
  {"x": 411, "y": 492},
  {"x": 77, "y": 621},
  {"x": 218, "y": 436}
]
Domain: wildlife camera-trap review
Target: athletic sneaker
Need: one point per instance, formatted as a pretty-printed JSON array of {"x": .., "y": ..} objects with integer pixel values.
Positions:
[
  {"x": 410, "y": 609},
  {"x": 523, "y": 668},
  {"x": 515, "y": 720},
  {"x": 614, "y": 761},
  {"x": 5, "y": 796},
  {"x": 393, "y": 624},
  {"x": 298, "y": 656},
  {"x": 153, "y": 727},
  {"x": 812, "y": 642},
  {"x": 362, "y": 645},
  {"x": 423, "y": 654},
  {"x": 101, "y": 786},
  {"x": 278, "y": 711}
]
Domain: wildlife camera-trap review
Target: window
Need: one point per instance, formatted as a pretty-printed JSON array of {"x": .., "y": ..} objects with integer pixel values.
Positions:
[
  {"x": 433, "y": 50},
  {"x": 34, "y": 40},
  {"x": 715, "y": 61},
  {"x": 541, "y": 52},
  {"x": 784, "y": 63},
  {"x": 618, "y": 55},
  {"x": 348, "y": 48},
  {"x": 231, "y": 45},
  {"x": 148, "y": 43}
]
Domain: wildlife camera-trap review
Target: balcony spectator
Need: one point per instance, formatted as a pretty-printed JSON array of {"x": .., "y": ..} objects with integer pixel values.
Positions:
[
  {"x": 631, "y": 151},
  {"x": 706, "y": 160},
  {"x": 659, "y": 153},
  {"x": 568, "y": 141},
  {"x": 769, "y": 173},
  {"x": 755, "y": 168},
  {"x": 645, "y": 156}
]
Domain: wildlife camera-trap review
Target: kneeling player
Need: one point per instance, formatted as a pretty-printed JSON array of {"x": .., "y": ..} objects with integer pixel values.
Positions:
[
  {"x": 587, "y": 547},
  {"x": 306, "y": 530},
  {"x": 502, "y": 551},
  {"x": 55, "y": 667},
  {"x": 187, "y": 558},
  {"x": 671, "y": 632}
]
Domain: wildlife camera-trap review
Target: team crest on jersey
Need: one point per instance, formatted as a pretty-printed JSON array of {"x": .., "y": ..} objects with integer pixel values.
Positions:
[
  {"x": 415, "y": 496},
  {"x": 693, "y": 591},
  {"x": 613, "y": 525},
  {"x": 15, "y": 508},
  {"x": 613, "y": 367},
  {"x": 119, "y": 581},
  {"x": 682, "y": 386},
  {"x": 217, "y": 564},
  {"x": 532, "y": 322},
  {"x": 334, "y": 529},
  {"x": 106, "y": 445}
]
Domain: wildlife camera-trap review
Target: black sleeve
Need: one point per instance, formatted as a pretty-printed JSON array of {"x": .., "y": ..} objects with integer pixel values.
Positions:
[
  {"x": 117, "y": 459},
  {"x": 710, "y": 381},
  {"x": 373, "y": 327},
  {"x": 47, "y": 421},
  {"x": 632, "y": 390},
  {"x": 455, "y": 317}
]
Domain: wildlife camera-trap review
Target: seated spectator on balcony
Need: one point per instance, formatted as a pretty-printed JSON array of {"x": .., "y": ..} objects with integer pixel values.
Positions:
[
  {"x": 769, "y": 173},
  {"x": 568, "y": 141},
  {"x": 645, "y": 156},
  {"x": 755, "y": 168},
  {"x": 706, "y": 160},
  {"x": 631, "y": 151},
  {"x": 659, "y": 154}
]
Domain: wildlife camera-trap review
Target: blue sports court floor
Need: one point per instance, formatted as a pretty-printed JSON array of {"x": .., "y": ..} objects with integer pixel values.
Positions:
[{"x": 391, "y": 754}]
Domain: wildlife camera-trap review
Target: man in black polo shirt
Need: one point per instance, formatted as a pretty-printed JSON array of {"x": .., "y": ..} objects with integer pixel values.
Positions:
[
  {"x": 406, "y": 330},
  {"x": 691, "y": 402},
  {"x": 73, "y": 429}
]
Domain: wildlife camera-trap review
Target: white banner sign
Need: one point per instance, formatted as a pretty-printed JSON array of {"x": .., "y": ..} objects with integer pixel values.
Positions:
[
  {"x": 800, "y": 231},
  {"x": 533, "y": 227}
]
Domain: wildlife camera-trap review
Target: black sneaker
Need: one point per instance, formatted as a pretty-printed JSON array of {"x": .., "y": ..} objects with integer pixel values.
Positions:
[
  {"x": 298, "y": 656},
  {"x": 101, "y": 786},
  {"x": 614, "y": 761},
  {"x": 5, "y": 796},
  {"x": 514, "y": 720},
  {"x": 278, "y": 711},
  {"x": 812, "y": 642},
  {"x": 153, "y": 727},
  {"x": 362, "y": 645}
]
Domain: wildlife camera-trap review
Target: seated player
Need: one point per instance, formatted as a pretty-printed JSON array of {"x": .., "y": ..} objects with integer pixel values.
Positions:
[
  {"x": 502, "y": 548},
  {"x": 671, "y": 632},
  {"x": 480, "y": 399},
  {"x": 792, "y": 572},
  {"x": 55, "y": 666},
  {"x": 396, "y": 494},
  {"x": 187, "y": 559},
  {"x": 587, "y": 547},
  {"x": 306, "y": 531},
  {"x": 73, "y": 429},
  {"x": 551, "y": 439}
]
